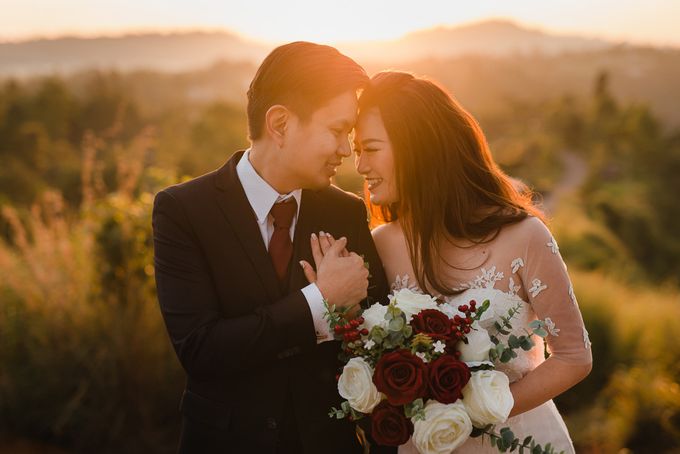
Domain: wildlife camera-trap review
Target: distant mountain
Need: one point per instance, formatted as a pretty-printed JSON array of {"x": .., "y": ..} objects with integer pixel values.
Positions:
[
  {"x": 175, "y": 52},
  {"x": 491, "y": 38},
  {"x": 178, "y": 52}
]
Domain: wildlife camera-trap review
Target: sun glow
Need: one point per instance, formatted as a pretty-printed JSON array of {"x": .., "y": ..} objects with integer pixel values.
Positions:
[{"x": 651, "y": 21}]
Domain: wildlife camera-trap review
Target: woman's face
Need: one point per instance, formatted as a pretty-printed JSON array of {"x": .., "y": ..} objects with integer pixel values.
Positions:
[{"x": 374, "y": 159}]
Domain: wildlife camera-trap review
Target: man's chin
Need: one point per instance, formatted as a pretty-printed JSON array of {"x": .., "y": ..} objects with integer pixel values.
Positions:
[{"x": 318, "y": 184}]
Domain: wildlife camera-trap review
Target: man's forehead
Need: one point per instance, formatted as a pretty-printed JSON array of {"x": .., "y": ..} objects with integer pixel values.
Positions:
[{"x": 341, "y": 108}]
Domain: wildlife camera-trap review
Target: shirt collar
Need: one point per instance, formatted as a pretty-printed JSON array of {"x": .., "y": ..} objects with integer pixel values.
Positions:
[{"x": 259, "y": 193}]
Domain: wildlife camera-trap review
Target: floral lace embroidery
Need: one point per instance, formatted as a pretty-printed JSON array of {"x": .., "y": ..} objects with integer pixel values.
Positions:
[
  {"x": 537, "y": 287},
  {"x": 487, "y": 279},
  {"x": 586, "y": 338},
  {"x": 552, "y": 244},
  {"x": 401, "y": 282},
  {"x": 550, "y": 326},
  {"x": 517, "y": 264},
  {"x": 571, "y": 294},
  {"x": 513, "y": 289}
]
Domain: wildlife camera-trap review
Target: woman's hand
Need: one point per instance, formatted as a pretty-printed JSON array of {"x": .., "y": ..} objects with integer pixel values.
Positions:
[{"x": 320, "y": 243}]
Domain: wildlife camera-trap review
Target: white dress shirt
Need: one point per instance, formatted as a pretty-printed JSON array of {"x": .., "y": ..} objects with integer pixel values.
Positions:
[{"x": 262, "y": 197}]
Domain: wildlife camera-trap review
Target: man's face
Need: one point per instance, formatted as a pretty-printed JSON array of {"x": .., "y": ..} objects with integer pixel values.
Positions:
[{"x": 315, "y": 148}]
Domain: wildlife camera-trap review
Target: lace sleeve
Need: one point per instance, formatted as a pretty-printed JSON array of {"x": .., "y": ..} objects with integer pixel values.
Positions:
[{"x": 549, "y": 291}]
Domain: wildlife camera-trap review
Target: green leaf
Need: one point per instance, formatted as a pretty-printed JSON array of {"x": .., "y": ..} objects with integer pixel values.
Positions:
[
  {"x": 535, "y": 324},
  {"x": 540, "y": 332},
  {"x": 396, "y": 324},
  {"x": 527, "y": 344},
  {"x": 507, "y": 435},
  {"x": 378, "y": 334},
  {"x": 527, "y": 440},
  {"x": 513, "y": 341},
  {"x": 476, "y": 432},
  {"x": 507, "y": 356}
]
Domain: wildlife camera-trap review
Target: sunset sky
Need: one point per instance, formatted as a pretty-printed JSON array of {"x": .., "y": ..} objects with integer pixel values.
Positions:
[{"x": 648, "y": 22}]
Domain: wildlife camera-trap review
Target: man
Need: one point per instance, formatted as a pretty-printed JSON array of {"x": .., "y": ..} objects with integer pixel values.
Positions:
[{"x": 246, "y": 325}]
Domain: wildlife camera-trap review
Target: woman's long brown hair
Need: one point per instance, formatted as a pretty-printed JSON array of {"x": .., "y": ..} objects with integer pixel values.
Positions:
[{"x": 447, "y": 181}]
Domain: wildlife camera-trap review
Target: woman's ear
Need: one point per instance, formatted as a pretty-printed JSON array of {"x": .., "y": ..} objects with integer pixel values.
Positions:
[{"x": 276, "y": 123}]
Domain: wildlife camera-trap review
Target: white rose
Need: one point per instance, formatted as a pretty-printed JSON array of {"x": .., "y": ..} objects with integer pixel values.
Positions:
[
  {"x": 356, "y": 385},
  {"x": 374, "y": 316},
  {"x": 478, "y": 346},
  {"x": 410, "y": 302},
  {"x": 487, "y": 397},
  {"x": 445, "y": 427}
]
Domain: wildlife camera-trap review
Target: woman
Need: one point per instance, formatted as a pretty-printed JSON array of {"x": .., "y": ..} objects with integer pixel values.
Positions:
[{"x": 457, "y": 226}]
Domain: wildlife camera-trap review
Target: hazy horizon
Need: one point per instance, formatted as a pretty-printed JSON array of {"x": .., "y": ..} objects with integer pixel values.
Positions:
[{"x": 635, "y": 22}]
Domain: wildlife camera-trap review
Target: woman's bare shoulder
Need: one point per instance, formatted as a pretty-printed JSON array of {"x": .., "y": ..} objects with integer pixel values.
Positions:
[{"x": 387, "y": 236}]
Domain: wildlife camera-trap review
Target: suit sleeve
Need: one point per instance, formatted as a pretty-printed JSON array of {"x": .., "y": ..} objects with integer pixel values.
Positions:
[
  {"x": 208, "y": 344},
  {"x": 377, "y": 284}
]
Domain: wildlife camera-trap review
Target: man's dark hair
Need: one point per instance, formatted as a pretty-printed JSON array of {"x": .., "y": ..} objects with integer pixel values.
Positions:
[{"x": 303, "y": 77}]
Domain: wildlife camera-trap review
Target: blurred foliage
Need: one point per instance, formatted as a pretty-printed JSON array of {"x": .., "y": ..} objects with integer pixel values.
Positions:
[{"x": 85, "y": 363}]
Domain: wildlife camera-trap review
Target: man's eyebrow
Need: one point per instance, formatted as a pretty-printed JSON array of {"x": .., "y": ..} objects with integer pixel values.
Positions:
[{"x": 347, "y": 124}]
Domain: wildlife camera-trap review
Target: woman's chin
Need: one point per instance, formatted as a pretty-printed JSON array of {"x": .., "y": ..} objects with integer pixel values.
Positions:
[{"x": 379, "y": 199}]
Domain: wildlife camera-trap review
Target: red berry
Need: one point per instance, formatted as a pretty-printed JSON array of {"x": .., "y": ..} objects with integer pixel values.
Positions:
[
  {"x": 354, "y": 323},
  {"x": 468, "y": 320},
  {"x": 364, "y": 332},
  {"x": 347, "y": 327},
  {"x": 464, "y": 308},
  {"x": 361, "y": 320},
  {"x": 466, "y": 330},
  {"x": 473, "y": 303},
  {"x": 337, "y": 329}
]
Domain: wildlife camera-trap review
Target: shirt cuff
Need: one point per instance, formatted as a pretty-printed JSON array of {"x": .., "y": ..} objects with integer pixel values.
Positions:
[{"x": 316, "y": 306}]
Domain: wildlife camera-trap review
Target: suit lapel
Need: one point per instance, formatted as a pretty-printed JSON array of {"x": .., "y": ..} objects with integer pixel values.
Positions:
[
  {"x": 238, "y": 212},
  {"x": 306, "y": 224}
]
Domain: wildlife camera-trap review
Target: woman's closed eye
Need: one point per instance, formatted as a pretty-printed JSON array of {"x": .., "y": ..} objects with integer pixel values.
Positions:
[{"x": 358, "y": 151}]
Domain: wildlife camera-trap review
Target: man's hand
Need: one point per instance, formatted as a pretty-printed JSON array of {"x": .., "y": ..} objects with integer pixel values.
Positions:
[{"x": 341, "y": 276}]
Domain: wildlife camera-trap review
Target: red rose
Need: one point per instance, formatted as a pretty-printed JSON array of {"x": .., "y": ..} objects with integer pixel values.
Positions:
[
  {"x": 448, "y": 377},
  {"x": 433, "y": 323},
  {"x": 389, "y": 425},
  {"x": 401, "y": 376}
]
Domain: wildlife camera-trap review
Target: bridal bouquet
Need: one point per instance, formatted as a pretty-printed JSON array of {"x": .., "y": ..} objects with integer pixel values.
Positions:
[{"x": 424, "y": 370}]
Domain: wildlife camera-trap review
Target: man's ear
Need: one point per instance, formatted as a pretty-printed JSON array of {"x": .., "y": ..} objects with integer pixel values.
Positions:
[{"x": 276, "y": 123}]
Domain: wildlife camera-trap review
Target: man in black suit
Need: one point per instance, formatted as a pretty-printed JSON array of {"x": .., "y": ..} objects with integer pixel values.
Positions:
[{"x": 246, "y": 325}]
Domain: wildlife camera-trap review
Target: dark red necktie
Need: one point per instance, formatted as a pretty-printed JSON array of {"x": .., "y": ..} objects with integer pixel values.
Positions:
[{"x": 280, "y": 245}]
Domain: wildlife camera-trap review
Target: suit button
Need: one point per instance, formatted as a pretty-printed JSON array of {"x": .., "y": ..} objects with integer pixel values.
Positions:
[{"x": 271, "y": 423}]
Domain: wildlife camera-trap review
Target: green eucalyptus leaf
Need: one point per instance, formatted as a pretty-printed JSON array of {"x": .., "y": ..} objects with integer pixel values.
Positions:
[
  {"x": 540, "y": 332},
  {"x": 396, "y": 324},
  {"x": 535, "y": 324}
]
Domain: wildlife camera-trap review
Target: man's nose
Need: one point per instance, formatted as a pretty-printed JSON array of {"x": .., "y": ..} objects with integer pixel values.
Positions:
[{"x": 345, "y": 148}]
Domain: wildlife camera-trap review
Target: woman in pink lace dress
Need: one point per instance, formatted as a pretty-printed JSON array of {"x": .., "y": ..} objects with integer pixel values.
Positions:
[{"x": 457, "y": 226}]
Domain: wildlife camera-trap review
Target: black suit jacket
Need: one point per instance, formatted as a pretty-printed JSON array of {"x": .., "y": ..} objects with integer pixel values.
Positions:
[{"x": 255, "y": 373}]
